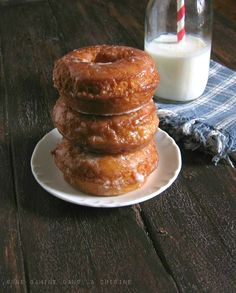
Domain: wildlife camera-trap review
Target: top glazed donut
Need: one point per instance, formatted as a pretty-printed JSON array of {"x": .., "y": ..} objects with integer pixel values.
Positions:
[{"x": 106, "y": 79}]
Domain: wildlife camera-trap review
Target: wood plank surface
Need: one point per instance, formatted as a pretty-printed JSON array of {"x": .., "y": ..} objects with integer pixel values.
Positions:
[
  {"x": 183, "y": 241},
  {"x": 193, "y": 225},
  {"x": 11, "y": 260},
  {"x": 224, "y": 38}
]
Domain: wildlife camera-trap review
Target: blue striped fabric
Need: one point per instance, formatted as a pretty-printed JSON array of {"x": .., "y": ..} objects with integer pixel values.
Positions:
[{"x": 208, "y": 122}]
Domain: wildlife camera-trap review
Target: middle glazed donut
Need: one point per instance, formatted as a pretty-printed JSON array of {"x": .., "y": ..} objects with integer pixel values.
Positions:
[
  {"x": 113, "y": 134},
  {"x": 106, "y": 80}
]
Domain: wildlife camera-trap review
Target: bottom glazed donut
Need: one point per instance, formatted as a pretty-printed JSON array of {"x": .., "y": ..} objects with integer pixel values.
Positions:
[{"x": 105, "y": 175}]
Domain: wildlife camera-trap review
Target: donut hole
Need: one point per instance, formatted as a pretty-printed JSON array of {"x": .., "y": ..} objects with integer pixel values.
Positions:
[
  {"x": 111, "y": 56},
  {"x": 106, "y": 57}
]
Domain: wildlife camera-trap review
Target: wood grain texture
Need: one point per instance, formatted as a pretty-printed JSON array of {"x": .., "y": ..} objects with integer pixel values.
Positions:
[
  {"x": 224, "y": 39},
  {"x": 193, "y": 225},
  {"x": 66, "y": 248},
  {"x": 226, "y": 9},
  {"x": 17, "y": 2},
  {"x": 97, "y": 23},
  {"x": 11, "y": 261}
]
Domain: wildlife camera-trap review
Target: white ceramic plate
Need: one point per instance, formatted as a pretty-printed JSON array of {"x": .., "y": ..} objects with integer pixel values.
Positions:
[{"x": 51, "y": 179}]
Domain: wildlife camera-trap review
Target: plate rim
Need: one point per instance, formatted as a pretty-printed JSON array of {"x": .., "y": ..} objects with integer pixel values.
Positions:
[{"x": 113, "y": 204}]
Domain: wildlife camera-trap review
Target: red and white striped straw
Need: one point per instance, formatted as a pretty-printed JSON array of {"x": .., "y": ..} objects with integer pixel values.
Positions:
[{"x": 180, "y": 20}]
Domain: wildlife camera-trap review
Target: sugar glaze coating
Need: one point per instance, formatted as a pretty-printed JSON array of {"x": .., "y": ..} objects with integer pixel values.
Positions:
[
  {"x": 117, "y": 79},
  {"x": 112, "y": 134},
  {"x": 105, "y": 175}
]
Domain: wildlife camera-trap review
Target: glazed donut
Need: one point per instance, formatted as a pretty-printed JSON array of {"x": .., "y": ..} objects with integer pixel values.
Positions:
[
  {"x": 113, "y": 134},
  {"x": 106, "y": 80},
  {"x": 105, "y": 175}
]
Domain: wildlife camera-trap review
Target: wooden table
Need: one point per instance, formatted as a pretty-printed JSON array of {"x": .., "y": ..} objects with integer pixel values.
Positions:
[{"x": 184, "y": 240}]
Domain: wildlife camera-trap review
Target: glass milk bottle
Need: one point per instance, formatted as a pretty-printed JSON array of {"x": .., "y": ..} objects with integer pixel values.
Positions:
[{"x": 178, "y": 37}]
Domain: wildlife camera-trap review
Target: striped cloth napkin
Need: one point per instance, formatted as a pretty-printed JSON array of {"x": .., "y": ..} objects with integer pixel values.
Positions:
[{"x": 208, "y": 122}]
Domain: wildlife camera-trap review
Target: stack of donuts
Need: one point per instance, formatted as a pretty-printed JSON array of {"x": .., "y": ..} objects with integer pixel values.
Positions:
[{"x": 107, "y": 118}]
